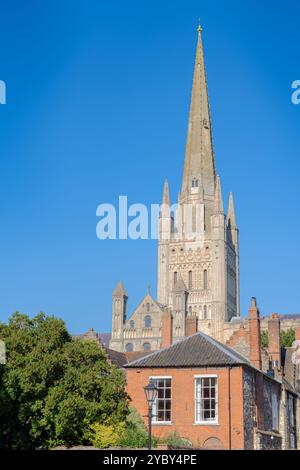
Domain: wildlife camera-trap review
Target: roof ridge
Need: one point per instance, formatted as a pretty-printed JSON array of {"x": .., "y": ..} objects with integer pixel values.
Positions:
[
  {"x": 227, "y": 351},
  {"x": 167, "y": 347}
]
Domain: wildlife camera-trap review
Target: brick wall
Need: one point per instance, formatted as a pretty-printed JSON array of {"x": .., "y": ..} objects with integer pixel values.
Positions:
[{"x": 183, "y": 404}]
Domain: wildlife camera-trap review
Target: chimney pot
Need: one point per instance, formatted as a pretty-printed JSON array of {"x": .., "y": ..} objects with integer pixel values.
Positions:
[{"x": 274, "y": 348}]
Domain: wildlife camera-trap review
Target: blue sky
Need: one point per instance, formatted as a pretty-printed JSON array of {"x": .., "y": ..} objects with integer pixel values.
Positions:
[{"x": 97, "y": 105}]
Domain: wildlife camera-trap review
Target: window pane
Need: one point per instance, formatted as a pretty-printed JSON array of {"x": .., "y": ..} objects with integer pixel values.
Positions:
[
  {"x": 163, "y": 403},
  {"x": 206, "y": 395}
]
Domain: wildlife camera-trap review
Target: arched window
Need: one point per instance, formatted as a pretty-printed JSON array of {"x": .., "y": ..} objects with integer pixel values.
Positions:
[
  {"x": 190, "y": 280},
  {"x": 190, "y": 310},
  {"x": 148, "y": 321},
  {"x": 147, "y": 347},
  {"x": 148, "y": 307},
  {"x": 205, "y": 279},
  {"x": 205, "y": 312},
  {"x": 175, "y": 278},
  {"x": 131, "y": 324},
  {"x": 129, "y": 347}
]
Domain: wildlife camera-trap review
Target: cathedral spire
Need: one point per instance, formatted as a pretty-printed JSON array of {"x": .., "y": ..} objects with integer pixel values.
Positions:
[
  {"x": 219, "y": 209},
  {"x": 199, "y": 166},
  {"x": 166, "y": 194},
  {"x": 231, "y": 213}
]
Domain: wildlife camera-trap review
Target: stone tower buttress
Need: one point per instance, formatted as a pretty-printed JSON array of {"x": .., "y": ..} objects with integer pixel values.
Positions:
[
  {"x": 164, "y": 234},
  {"x": 219, "y": 285},
  {"x": 119, "y": 301}
]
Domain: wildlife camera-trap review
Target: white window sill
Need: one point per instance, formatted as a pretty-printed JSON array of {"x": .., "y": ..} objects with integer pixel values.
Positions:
[{"x": 206, "y": 423}]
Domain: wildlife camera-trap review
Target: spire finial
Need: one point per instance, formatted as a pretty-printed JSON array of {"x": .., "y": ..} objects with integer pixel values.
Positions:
[
  {"x": 199, "y": 29},
  {"x": 199, "y": 154}
]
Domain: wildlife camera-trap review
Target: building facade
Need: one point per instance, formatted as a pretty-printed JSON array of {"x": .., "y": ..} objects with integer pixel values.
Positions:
[{"x": 230, "y": 401}]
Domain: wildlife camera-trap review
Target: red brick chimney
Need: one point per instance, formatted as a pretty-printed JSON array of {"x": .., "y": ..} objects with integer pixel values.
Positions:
[
  {"x": 166, "y": 329},
  {"x": 191, "y": 326},
  {"x": 254, "y": 334},
  {"x": 274, "y": 349}
]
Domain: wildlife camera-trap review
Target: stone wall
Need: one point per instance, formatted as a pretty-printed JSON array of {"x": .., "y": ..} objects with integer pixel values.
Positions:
[{"x": 249, "y": 408}]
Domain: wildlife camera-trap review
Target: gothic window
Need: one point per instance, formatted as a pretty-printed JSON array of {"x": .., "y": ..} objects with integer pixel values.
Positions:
[
  {"x": 205, "y": 279},
  {"x": 147, "y": 347},
  {"x": 131, "y": 324},
  {"x": 195, "y": 183},
  {"x": 175, "y": 278},
  {"x": 148, "y": 321},
  {"x": 190, "y": 280},
  {"x": 205, "y": 312},
  {"x": 148, "y": 307},
  {"x": 129, "y": 347}
]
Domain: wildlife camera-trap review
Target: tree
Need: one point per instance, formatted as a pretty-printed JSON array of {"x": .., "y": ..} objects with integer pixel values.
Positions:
[
  {"x": 53, "y": 386},
  {"x": 286, "y": 338}
]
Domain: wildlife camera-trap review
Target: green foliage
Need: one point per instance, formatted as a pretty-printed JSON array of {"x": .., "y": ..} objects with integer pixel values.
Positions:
[
  {"x": 175, "y": 441},
  {"x": 104, "y": 435},
  {"x": 53, "y": 387},
  {"x": 264, "y": 339},
  {"x": 286, "y": 338},
  {"x": 135, "y": 436}
]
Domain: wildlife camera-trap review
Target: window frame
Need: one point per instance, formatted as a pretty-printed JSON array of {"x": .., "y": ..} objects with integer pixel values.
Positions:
[
  {"x": 199, "y": 422},
  {"x": 147, "y": 318},
  {"x": 155, "y": 422},
  {"x": 130, "y": 350}
]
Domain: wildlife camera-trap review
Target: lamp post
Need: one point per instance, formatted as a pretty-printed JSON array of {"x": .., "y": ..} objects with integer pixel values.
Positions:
[{"x": 151, "y": 392}]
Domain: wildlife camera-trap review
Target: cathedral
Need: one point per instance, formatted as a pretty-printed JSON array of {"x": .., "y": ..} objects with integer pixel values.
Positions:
[{"x": 198, "y": 247}]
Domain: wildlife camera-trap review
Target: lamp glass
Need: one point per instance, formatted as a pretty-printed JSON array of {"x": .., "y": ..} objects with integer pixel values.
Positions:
[{"x": 151, "y": 392}]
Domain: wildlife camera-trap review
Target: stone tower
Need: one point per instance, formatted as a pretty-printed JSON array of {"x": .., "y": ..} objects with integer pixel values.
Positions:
[
  {"x": 118, "y": 316},
  {"x": 198, "y": 252}
]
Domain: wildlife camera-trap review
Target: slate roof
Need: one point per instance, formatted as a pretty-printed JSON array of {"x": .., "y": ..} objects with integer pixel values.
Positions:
[
  {"x": 198, "y": 350},
  {"x": 122, "y": 358}
]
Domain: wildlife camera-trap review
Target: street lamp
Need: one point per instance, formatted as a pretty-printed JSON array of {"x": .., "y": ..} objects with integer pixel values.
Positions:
[{"x": 151, "y": 392}]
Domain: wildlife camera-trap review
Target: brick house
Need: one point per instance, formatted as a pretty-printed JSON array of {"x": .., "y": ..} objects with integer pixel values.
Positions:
[{"x": 216, "y": 397}]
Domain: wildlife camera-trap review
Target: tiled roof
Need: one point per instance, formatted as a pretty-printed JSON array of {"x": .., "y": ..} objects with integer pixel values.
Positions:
[
  {"x": 198, "y": 350},
  {"x": 120, "y": 358},
  {"x": 117, "y": 358}
]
